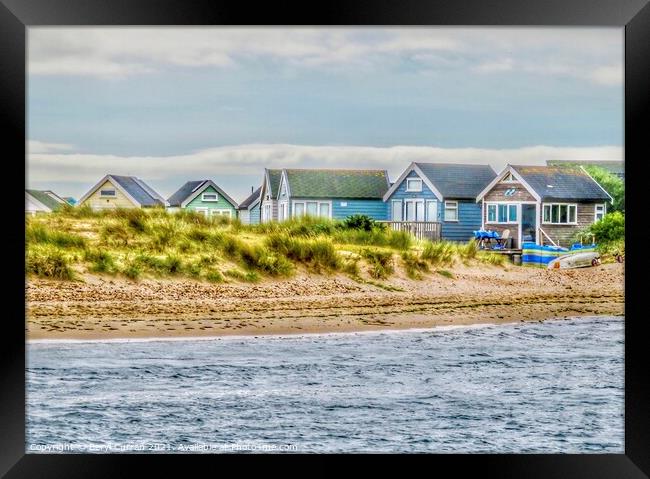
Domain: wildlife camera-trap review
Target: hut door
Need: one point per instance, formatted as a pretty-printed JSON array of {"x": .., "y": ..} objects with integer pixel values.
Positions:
[{"x": 528, "y": 223}]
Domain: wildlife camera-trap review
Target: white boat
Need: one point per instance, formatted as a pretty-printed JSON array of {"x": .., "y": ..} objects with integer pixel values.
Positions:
[{"x": 575, "y": 260}]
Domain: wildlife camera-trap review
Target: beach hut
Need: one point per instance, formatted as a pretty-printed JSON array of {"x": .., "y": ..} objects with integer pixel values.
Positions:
[
  {"x": 545, "y": 205},
  {"x": 204, "y": 197},
  {"x": 249, "y": 209},
  {"x": 332, "y": 193},
  {"x": 42, "y": 201},
  {"x": 114, "y": 191},
  {"x": 269, "y": 195},
  {"x": 438, "y": 200}
]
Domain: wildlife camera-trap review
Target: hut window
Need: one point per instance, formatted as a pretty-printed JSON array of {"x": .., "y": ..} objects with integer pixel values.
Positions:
[
  {"x": 559, "y": 214},
  {"x": 501, "y": 213},
  {"x": 451, "y": 210},
  {"x": 312, "y": 208},
  {"x": 600, "y": 212},
  {"x": 413, "y": 184},
  {"x": 209, "y": 197},
  {"x": 492, "y": 213},
  {"x": 107, "y": 193}
]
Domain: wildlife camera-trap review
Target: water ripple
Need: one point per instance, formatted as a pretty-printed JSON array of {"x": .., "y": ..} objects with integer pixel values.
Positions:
[{"x": 535, "y": 387}]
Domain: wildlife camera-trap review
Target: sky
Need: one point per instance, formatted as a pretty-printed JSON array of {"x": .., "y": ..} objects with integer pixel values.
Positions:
[{"x": 176, "y": 104}]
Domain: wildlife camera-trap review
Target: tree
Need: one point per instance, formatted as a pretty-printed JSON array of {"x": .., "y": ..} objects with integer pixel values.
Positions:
[{"x": 612, "y": 184}]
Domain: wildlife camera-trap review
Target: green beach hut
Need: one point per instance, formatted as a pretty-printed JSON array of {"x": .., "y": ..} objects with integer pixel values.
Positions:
[{"x": 205, "y": 197}]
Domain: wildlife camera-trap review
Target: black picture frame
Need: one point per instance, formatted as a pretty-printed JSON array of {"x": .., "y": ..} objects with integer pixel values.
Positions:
[{"x": 633, "y": 15}]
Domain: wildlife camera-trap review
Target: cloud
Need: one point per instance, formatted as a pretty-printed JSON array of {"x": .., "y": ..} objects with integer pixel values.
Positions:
[
  {"x": 250, "y": 160},
  {"x": 496, "y": 66},
  {"x": 608, "y": 75},
  {"x": 593, "y": 55},
  {"x": 42, "y": 147}
]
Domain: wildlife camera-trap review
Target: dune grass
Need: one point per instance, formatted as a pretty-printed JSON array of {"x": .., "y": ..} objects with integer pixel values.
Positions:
[
  {"x": 414, "y": 265},
  {"x": 40, "y": 234},
  {"x": 318, "y": 254},
  {"x": 48, "y": 262},
  {"x": 137, "y": 243},
  {"x": 446, "y": 253},
  {"x": 380, "y": 263}
]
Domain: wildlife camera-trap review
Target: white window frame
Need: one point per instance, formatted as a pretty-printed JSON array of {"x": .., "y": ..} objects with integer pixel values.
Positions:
[
  {"x": 418, "y": 189},
  {"x": 102, "y": 191},
  {"x": 266, "y": 213},
  {"x": 400, "y": 209},
  {"x": 496, "y": 218},
  {"x": 205, "y": 200},
  {"x": 220, "y": 212},
  {"x": 426, "y": 210},
  {"x": 447, "y": 206},
  {"x": 550, "y": 205},
  {"x": 415, "y": 202},
  {"x": 510, "y": 178},
  {"x": 282, "y": 211},
  {"x": 596, "y": 212},
  {"x": 318, "y": 205},
  {"x": 204, "y": 211}
]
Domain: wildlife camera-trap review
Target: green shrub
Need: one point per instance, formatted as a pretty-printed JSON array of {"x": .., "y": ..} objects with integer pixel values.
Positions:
[
  {"x": 169, "y": 264},
  {"x": 445, "y": 273},
  {"x": 381, "y": 263},
  {"x": 48, "y": 262},
  {"x": 275, "y": 264},
  {"x": 375, "y": 237},
  {"x": 317, "y": 253},
  {"x": 200, "y": 235},
  {"x": 185, "y": 246},
  {"x": 194, "y": 269},
  {"x": 469, "y": 250},
  {"x": 414, "y": 265},
  {"x": 115, "y": 233},
  {"x": 610, "y": 183},
  {"x": 35, "y": 233},
  {"x": 208, "y": 260},
  {"x": 135, "y": 218},
  {"x": 303, "y": 226},
  {"x": 608, "y": 251},
  {"x": 214, "y": 276},
  {"x": 172, "y": 264},
  {"x": 351, "y": 266},
  {"x": 359, "y": 222},
  {"x": 132, "y": 270},
  {"x": 248, "y": 276},
  {"x": 191, "y": 217},
  {"x": 610, "y": 228},
  {"x": 70, "y": 211},
  {"x": 492, "y": 258},
  {"x": 164, "y": 233},
  {"x": 399, "y": 239},
  {"x": 100, "y": 261},
  {"x": 439, "y": 252}
]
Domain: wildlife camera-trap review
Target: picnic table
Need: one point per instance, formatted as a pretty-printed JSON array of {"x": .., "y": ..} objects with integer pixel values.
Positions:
[{"x": 485, "y": 238}]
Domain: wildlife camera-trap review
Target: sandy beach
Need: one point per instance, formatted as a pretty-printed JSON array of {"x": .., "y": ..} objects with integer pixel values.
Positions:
[{"x": 104, "y": 307}]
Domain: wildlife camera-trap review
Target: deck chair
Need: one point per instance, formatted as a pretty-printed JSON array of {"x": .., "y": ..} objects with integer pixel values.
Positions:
[{"x": 504, "y": 238}]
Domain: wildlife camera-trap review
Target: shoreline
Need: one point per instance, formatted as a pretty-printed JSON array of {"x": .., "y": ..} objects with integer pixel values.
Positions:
[
  {"x": 109, "y": 308},
  {"x": 441, "y": 328}
]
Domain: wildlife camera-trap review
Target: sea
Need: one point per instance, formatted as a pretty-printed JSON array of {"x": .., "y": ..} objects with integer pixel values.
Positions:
[{"x": 549, "y": 387}]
